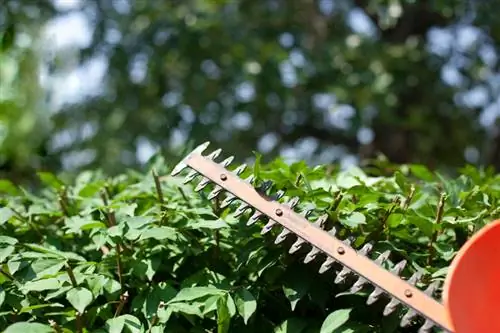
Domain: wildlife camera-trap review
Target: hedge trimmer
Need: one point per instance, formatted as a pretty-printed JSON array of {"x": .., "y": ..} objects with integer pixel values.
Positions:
[{"x": 471, "y": 292}]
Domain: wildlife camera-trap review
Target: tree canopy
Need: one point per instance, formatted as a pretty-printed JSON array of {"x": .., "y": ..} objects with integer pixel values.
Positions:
[{"x": 324, "y": 81}]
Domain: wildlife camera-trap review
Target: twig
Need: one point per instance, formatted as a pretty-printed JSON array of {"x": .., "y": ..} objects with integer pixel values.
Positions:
[
  {"x": 55, "y": 326},
  {"x": 123, "y": 300},
  {"x": 155, "y": 318},
  {"x": 409, "y": 198},
  {"x": 112, "y": 222},
  {"x": 63, "y": 201},
  {"x": 184, "y": 196},
  {"x": 71, "y": 275},
  {"x": 437, "y": 221},
  {"x": 158, "y": 186},
  {"x": 7, "y": 275},
  {"x": 395, "y": 202},
  {"x": 79, "y": 323}
]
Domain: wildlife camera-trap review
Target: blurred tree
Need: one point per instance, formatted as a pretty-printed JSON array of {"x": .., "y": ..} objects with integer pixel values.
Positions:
[
  {"x": 323, "y": 80},
  {"x": 24, "y": 117}
]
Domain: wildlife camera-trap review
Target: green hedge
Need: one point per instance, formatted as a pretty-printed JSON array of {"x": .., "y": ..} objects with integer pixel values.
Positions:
[{"x": 139, "y": 253}]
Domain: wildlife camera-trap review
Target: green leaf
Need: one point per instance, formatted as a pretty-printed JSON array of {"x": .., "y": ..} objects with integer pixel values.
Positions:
[
  {"x": 245, "y": 304},
  {"x": 335, "y": 320},
  {"x": 353, "y": 220},
  {"x": 47, "y": 267},
  {"x": 8, "y": 187},
  {"x": 25, "y": 327},
  {"x": 189, "y": 294},
  {"x": 5, "y": 214},
  {"x": 159, "y": 233},
  {"x": 223, "y": 316},
  {"x": 50, "y": 180},
  {"x": 2, "y": 296},
  {"x": 131, "y": 323},
  {"x": 422, "y": 172},
  {"x": 5, "y": 252},
  {"x": 79, "y": 298},
  {"x": 208, "y": 224},
  {"x": 8, "y": 240},
  {"x": 291, "y": 325},
  {"x": 41, "y": 285}
]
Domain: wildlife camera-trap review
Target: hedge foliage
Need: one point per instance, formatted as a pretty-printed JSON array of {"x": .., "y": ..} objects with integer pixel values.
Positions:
[{"x": 144, "y": 253}]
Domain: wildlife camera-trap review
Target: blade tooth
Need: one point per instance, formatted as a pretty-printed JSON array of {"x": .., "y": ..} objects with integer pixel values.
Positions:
[
  {"x": 366, "y": 249},
  {"x": 278, "y": 195},
  {"x": 179, "y": 167},
  {"x": 282, "y": 236},
  {"x": 311, "y": 255},
  {"x": 361, "y": 281},
  {"x": 182, "y": 164},
  {"x": 215, "y": 192},
  {"x": 201, "y": 148},
  {"x": 431, "y": 289},
  {"x": 292, "y": 202},
  {"x": 415, "y": 277},
  {"x": 190, "y": 176},
  {"x": 239, "y": 170},
  {"x": 213, "y": 155},
  {"x": 254, "y": 218},
  {"x": 326, "y": 265},
  {"x": 391, "y": 306},
  {"x": 427, "y": 326},
  {"x": 241, "y": 209},
  {"x": 408, "y": 317},
  {"x": 320, "y": 221},
  {"x": 374, "y": 296},
  {"x": 265, "y": 186},
  {"x": 411, "y": 314},
  {"x": 268, "y": 227},
  {"x": 333, "y": 232},
  {"x": 227, "y": 161},
  {"x": 398, "y": 268},
  {"x": 358, "y": 285},
  {"x": 342, "y": 275},
  {"x": 228, "y": 200},
  {"x": 308, "y": 210},
  {"x": 383, "y": 257},
  {"x": 202, "y": 184},
  {"x": 296, "y": 246},
  {"x": 249, "y": 179}
]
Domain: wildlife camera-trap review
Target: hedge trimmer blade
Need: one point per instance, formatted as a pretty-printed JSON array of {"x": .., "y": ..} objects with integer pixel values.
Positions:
[{"x": 354, "y": 262}]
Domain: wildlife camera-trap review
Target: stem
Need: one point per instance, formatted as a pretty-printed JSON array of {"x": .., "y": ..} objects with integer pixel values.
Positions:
[
  {"x": 409, "y": 198},
  {"x": 71, "y": 275},
  {"x": 28, "y": 221},
  {"x": 395, "y": 202},
  {"x": 437, "y": 221},
  {"x": 79, "y": 324},
  {"x": 184, "y": 196},
  {"x": 63, "y": 201},
  {"x": 158, "y": 186},
  {"x": 217, "y": 211},
  {"x": 7, "y": 275},
  {"x": 119, "y": 264},
  {"x": 112, "y": 222},
  {"x": 155, "y": 318},
  {"x": 55, "y": 326},
  {"x": 336, "y": 202},
  {"x": 123, "y": 300}
]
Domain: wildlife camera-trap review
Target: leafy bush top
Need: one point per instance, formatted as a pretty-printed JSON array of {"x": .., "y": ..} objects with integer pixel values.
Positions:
[{"x": 142, "y": 253}]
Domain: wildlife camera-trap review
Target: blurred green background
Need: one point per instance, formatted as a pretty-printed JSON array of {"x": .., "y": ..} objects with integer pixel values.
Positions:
[{"x": 109, "y": 83}]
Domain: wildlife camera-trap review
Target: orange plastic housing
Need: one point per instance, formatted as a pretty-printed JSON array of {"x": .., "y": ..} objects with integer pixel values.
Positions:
[{"x": 471, "y": 292}]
